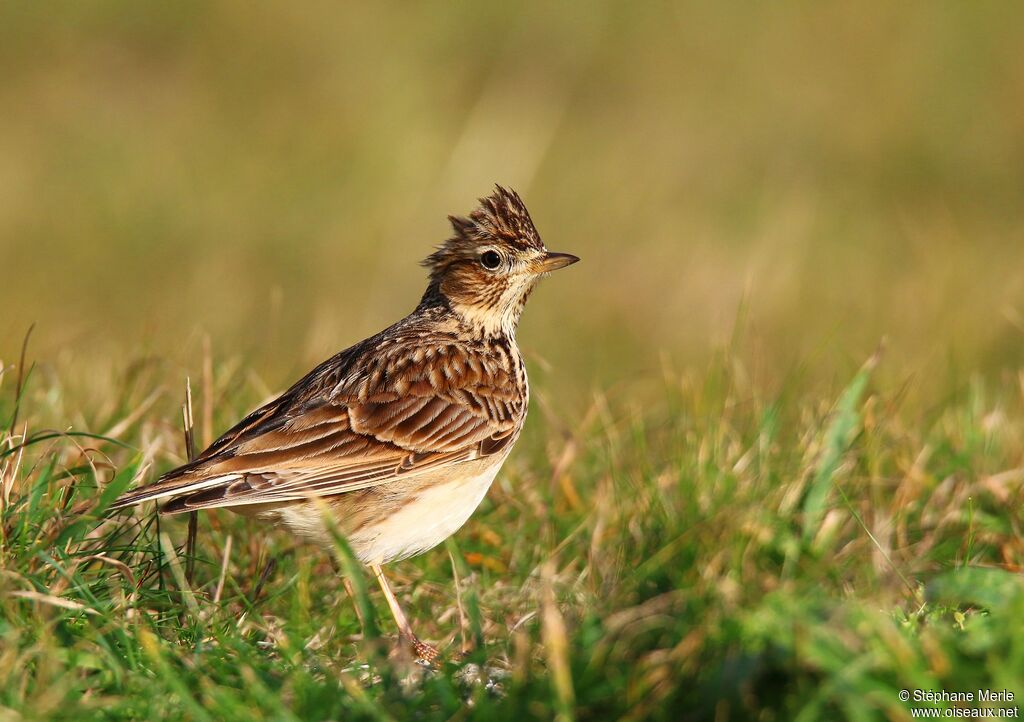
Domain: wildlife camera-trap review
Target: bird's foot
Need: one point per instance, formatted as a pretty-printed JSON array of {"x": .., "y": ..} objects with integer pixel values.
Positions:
[{"x": 421, "y": 651}]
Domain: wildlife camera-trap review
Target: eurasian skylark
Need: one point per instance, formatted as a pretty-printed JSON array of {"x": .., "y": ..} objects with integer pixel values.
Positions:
[{"x": 400, "y": 436}]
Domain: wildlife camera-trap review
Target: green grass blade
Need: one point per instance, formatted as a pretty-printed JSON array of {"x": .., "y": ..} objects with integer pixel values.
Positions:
[
  {"x": 838, "y": 436},
  {"x": 354, "y": 572}
]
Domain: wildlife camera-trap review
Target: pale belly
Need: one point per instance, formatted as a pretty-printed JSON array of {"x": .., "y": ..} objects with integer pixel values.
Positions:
[{"x": 399, "y": 519}]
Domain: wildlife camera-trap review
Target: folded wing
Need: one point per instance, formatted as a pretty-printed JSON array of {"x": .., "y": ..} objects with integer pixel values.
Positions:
[{"x": 297, "y": 447}]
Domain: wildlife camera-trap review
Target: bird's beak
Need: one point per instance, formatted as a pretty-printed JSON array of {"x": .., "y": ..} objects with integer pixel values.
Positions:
[{"x": 553, "y": 261}]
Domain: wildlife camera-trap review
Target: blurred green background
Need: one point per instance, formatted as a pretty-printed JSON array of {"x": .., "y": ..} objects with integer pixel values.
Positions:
[{"x": 815, "y": 175}]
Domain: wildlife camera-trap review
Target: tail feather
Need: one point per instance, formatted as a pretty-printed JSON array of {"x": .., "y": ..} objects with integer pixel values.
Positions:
[{"x": 170, "y": 487}]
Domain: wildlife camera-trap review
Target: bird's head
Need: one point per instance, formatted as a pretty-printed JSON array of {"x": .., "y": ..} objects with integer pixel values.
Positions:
[{"x": 488, "y": 268}]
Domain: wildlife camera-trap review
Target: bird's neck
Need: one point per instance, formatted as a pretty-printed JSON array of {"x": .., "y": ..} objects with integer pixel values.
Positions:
[{"x": 484, "y": 321}]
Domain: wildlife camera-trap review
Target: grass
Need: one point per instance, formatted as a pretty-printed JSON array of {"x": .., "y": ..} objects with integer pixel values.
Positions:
[{"x": 720, "y": 554}]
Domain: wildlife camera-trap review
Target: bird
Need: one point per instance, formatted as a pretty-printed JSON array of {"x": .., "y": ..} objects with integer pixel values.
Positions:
[{"x": 398, "y": 437}]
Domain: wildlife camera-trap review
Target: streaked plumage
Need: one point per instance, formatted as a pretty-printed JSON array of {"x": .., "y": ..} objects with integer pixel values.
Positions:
[{"x": 401, "y": 434}]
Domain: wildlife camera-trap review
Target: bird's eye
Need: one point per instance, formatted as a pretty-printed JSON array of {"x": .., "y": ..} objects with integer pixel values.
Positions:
[{"x": 490, "y": 260}]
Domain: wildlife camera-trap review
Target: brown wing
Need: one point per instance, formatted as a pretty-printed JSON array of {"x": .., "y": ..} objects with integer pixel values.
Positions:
[{"x": 357, "y": 435}]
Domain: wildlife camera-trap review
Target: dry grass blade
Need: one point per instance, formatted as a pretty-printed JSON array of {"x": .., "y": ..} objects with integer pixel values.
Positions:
[
  {"x": 556, "y": 646},
  {"x": 19, "y": 387},
  {"x": 137, "y": 413},
  {"x": 223, "y": 570},
  {"x": 10, "y": 467},
  {"x": 467, "y": 601},
  {"x": 188, "y": 425},
  {"x": 53, "y": 601}
]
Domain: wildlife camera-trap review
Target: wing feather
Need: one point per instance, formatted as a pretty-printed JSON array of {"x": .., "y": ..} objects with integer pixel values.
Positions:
[{"x": 370, "y": 415}]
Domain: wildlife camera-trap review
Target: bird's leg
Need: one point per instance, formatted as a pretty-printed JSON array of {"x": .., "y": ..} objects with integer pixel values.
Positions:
[{"x": 422, "y": 650}]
